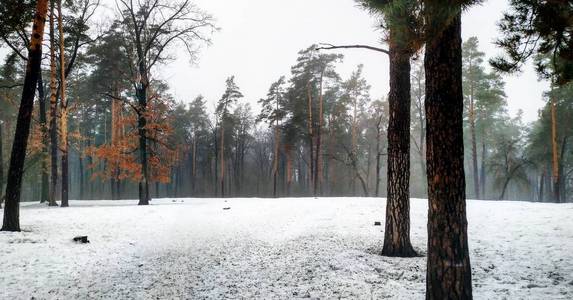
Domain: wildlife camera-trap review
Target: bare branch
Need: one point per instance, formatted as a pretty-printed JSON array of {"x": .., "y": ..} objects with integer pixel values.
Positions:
[{"x": 325, "y": 46}]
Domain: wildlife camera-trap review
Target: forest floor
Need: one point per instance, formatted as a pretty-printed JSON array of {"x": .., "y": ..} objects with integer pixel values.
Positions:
[{"x": 273, "y": 249}]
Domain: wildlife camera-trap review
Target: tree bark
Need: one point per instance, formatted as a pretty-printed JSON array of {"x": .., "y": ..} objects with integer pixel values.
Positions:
[
  {"x": 276, "y": 160},
  {"x": 53, "y": 111},
  {"x": 222, "y": 159},
  {"x": 317, "y": 161},
  {"x": 555, "y": 151},
  {"x": 397, "y": 229},
  {"x": 310, "y": 138},
  {"x": 216, "y": 166},
  {"x": 64, "y": 110},
  {"x": 474, "y": 144},
  {"x": 11, "y": 220},
  {"x": 448, "y": 264},
  {"x": 45, "y": 185}
]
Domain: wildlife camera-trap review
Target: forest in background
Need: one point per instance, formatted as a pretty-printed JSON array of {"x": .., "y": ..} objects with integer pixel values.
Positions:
[{"x": 315, "y": 133}]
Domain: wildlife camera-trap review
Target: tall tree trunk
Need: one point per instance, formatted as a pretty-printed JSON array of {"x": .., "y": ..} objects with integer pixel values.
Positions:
[
  {"x": 144, "y": 195},
  {"x": 397, "y": 230},
  {"x": 45, "y": 185},
  {"x": 310, "y": 138},
  {"x": 288, "y": 169},
  {"x": 562, "y": 185},
  {"x": 541, "y": 184},
  {"x": 474, "y": 145},
  {"x": 82, "y": 173},
  {"x": 216, "y": 166},
  {"x": 448, "y": 264},
  {"x": 11, "y": 220},
  {"x": 222, "y": 159},
  {"x": 53, "y": 111},
  {"x": 64, "y": 110},
  {"x": 354, "y": 139},
  {"x": 276, "y": 160},
  {"x": 141, "y": 91},
  {"x": 116, "y": 135},
  {"x": 483, "y": 169},
  {"x": 555, "y": 151},
  {"x": 422, "y": 136},
  {"x": 378, "y": 159},
  {"x": 194, "y": 165},
  {"x": 318, "y": 164}
]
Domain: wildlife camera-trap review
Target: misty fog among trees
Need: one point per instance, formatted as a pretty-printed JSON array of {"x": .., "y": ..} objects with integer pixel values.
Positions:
[{"x": 84, "y": 115}]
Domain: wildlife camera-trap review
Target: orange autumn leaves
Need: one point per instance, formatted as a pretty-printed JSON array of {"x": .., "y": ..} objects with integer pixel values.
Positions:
[{"x": 119, "y": 156}]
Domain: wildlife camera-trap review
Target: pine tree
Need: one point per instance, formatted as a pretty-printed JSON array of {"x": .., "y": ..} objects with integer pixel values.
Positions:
[
  {"x": 230, "y": 97},
  {"x": 273, "y": 111},
  {"x": 447, "y": 223},
  {"x": 540, "y": 29},
  {"x": 403, "y": 20},
  {"x": 472, "y": 59}
]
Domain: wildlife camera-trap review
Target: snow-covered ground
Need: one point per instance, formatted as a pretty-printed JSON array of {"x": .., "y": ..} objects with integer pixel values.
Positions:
[{"x": 273, "y": 249}]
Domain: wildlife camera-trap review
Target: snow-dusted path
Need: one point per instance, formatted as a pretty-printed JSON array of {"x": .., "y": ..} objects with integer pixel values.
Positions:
[{"x": 273, "y": 248}]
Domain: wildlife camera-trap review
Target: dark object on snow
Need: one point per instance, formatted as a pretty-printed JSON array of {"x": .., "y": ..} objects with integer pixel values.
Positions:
[
  {"x": 226, "y": 208},
  {"x": 81, "y": 239},
  {"x": 377, "y": 223}
]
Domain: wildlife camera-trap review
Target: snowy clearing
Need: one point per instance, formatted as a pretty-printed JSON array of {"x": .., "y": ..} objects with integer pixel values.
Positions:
[{"x": 273, "y": 248}]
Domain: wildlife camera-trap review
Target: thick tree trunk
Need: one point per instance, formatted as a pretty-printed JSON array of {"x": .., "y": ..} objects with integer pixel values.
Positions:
[
  {"x": 64, "y": 110},
  {"x": 45, "y": 184},
  {"x": 397, "y": 230},
  {"x": 11, "y": 220},
  {"x": 53, "y": 111},
  {"x": 448, "y": 264}
]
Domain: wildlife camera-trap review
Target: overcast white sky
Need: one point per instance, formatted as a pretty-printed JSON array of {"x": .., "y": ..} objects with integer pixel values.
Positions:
[{"x": 259, "y": 40}]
